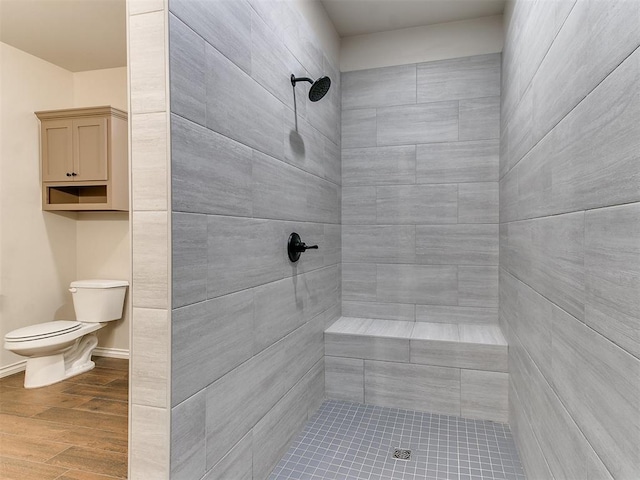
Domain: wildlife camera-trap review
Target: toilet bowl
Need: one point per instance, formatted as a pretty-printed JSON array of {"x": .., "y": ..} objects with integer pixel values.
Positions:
[{"x": 61, "y": 349}]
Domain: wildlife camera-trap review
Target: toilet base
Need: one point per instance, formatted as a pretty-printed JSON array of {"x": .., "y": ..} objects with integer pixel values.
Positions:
[{"x": 50, "y": 369}]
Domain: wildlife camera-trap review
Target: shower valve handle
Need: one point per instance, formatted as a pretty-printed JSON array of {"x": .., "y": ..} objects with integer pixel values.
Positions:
[{"x": 295, "y": 247}]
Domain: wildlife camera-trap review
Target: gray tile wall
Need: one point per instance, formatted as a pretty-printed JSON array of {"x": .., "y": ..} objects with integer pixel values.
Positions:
[
  {"x": 420, "y": 191},
  {"x": 251, "y": 163},
  {"x": 570, "y": 235}
]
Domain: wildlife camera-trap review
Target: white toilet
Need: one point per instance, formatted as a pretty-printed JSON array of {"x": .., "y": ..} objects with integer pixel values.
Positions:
[{"x": 61, "y": 349}]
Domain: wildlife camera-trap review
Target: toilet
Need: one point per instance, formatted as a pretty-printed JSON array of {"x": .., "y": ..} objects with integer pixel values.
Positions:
[{"x": 62, "y": 349}]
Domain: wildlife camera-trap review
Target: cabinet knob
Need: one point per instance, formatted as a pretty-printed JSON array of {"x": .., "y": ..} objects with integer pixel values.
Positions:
[
  {"x": 73, "y": 174},
  {"x": 68, "y": 174}
]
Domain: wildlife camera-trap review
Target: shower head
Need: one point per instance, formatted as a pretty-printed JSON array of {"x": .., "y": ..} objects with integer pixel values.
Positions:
[{"x": 318, "y": 89}]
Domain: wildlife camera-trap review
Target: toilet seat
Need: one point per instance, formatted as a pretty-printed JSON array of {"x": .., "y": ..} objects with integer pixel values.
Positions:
[
  {"x": 43, "y": 338},
  {"x": 42, "y": 330}
]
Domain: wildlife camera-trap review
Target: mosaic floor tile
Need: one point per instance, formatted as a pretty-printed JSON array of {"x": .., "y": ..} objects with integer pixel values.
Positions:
[{"x": 349, "y": 441}]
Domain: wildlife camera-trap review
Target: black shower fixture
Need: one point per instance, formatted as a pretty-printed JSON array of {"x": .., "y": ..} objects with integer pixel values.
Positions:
[
  {"x": 318, "y": 89},
  {"x": 295, "y": 246}
]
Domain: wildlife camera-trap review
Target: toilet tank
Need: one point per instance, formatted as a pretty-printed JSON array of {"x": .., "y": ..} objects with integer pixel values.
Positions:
[{"x": 98, "y": 300}]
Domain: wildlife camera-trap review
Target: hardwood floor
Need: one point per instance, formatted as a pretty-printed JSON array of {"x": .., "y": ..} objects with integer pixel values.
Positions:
[{"x": 73, "y": 430}]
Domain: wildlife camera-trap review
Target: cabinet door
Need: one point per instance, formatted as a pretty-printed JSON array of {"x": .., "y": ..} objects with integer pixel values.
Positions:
[
  {"x": 90, "y": 149},
  {"x": 57, "y": 150}
]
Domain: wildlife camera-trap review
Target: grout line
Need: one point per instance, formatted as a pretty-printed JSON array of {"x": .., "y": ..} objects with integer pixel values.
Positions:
[{"x": 580, "y": 101}]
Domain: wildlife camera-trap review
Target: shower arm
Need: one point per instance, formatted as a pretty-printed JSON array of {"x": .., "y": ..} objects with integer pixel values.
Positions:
[{"x": 295, "y": 79}]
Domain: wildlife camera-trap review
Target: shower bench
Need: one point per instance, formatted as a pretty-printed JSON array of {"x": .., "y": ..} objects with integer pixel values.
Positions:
[{"x": 444, "y": 368}]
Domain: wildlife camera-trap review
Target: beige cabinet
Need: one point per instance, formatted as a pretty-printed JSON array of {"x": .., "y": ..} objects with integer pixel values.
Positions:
[{"x": 84, "y": 157}]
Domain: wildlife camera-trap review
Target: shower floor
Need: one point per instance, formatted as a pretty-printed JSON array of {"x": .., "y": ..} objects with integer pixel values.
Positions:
[{"x": 346, "y": 440}]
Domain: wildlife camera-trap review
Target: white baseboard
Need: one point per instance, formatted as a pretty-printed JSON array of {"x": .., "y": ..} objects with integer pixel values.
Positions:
[
  {"x": 111, "y": 353},
  {"x": 13, "y": 368}
]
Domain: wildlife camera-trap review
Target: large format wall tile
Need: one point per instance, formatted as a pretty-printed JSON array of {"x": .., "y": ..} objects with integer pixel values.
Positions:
[
  {"x": 278, "y": 310},
  {"x": 454, "y": 314},
  {"x": 187, "y": 69},
  {"x": 590, "y": 159},
  {"x": 379, "y": 166},
  {"x": 261, "y": 260},
  {"x": 453, "y": 162},
  {"x": 359, "y": 128},
  {"x": 188, "y": 453},
  {"x": 417, "y": 204},
  {"x": 414, "y": 387},
  {"x": 569, "y": 238},
  {"x": 457, "y": 244},
  {"x": 423, "y": 284},
  {"x": 272, "y": 433},
  {"x": 548, "y": 255},
  {"x": 411, "y": 124},
  {"x": 565, "y": 448},
  {"x": 279, "y": 190},
  {"x": 531, "y": 322},
  {"x": 437, "y": 190},
  {"x": 233, "y": 464},
  {"x": 359, "y": 205},
  {"x": 367, "y": 347},
  {"x": 323, "y": 200},
  {"x": 600, "y": 385},
  {"x": 478, "y": 286},
  {"x": 531, "y": 454},
  {"x": 612, "y": 274},
  {"x": 344, "y": 378},
  {"x": 189, "y": 262},
  {"x": 210, "y": 172},
  {"x": 478, "y": 202},
  {"x": 298, "y": 37},
  {"x": 224, "y": 24},
  {"x": 306, "y": 148},
  {"x": 578, "y": 59},
  {"x": 455, "y": 79},
  {"x": 385, "y": 311},
  {"x": 209, "y": 339},
  {"x": 240, "y": 108},
  {"x": 480, "y": 118},
  {"x": 484, "y": 395},
  {"x": 378, "y": 243},
  {"x": 233, "y": 408},
  {"x": 379, "y": 88},
  {"x": 359, "y": 281},
  {"x": 272, "y": 62},
  {"x": 252, "y": 161}
]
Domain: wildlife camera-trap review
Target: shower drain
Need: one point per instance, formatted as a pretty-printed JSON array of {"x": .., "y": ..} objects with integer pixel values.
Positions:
[{"x": 402, "y": 453}]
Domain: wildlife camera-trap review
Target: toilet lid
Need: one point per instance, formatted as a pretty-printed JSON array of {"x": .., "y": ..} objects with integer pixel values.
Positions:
[{"x": 43, "y": 330}]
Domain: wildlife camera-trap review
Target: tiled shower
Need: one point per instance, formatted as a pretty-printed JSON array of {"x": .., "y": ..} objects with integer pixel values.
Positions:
[{"x": 492, "y": 190}]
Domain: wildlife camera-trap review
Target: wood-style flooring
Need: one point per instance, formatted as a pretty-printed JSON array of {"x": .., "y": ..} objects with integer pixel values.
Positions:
[{"x": 72, "y": 430}]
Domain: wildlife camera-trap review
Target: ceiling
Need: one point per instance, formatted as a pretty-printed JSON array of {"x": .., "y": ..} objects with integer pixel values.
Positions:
[
  {"x": 77, "y": 35},
  {"x": 357, "y": 17},
  {"x": 81, "y": 35}
]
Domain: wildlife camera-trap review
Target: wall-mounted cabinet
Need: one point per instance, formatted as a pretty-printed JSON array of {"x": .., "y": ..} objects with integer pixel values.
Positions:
[{"x": 84, "y": 157}]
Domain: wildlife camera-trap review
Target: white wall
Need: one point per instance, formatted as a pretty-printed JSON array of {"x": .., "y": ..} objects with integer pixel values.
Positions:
[
  {"x": 422, "y": 44},
  {"x": 37, "y": 249},
  {"x": 101, "y": 87},
  {"x": 42, "y": 252},
  {"x": 103, "y": 251},
  {"x": 103, "y": 237}
]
